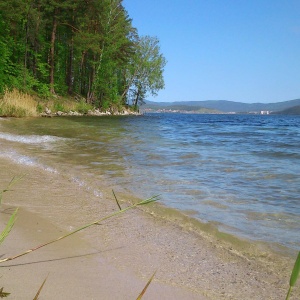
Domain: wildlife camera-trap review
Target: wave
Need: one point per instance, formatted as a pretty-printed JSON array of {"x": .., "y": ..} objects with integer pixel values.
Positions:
[
  {"x": 30, "y": 139},
  {"x": 25, "y": 160}
]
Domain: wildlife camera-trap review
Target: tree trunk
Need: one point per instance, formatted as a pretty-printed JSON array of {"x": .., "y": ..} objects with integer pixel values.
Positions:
[
  {"x": 92, "y": 76},
  {"x": 136, "y": 99},
  {"x": 52, "y": 53},
  {"x": 69, "y": 74},
  {"x": 36, "y": 51},
  {"x": 82, "y": 79},
  {"x": 25, "y": 55}
]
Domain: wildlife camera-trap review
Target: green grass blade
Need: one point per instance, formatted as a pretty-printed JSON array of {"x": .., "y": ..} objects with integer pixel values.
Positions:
[
  {"x": 14, "y": 180},
  {"x": 8, "y": 226},
  {"x": 288, "y": 293},
  {"x": 147, "y": 201},
  {"x": 39, "y": 291},
  {"x": 145, "y": 288},
  {"x": 294, "y": 276},
  {"x": 296, "y": 271}
]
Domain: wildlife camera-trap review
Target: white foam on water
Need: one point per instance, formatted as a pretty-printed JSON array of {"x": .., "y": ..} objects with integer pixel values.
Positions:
[
  {"x": 25, "y": 160},
  {"x": 30, "y": 139}
]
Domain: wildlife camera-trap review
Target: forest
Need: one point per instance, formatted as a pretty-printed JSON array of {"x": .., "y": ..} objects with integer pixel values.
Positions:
[{"x": 78, "y": 48}]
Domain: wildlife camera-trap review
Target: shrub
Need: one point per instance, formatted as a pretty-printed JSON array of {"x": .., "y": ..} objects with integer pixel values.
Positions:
[{"x": 83, "y": 107}]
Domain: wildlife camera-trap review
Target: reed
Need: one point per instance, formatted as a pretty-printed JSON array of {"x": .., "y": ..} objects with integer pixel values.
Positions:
[
  {"x": 145, "y": 288},
  {"x": 13, "y": 181},
  {"x": 8, "y": 226},
  {"x": 97, "y": 222},
  {"x": 36, "y": 297},
  {"x": 17, "y": 104},
  {"x": 293, "y": 279},
  {"x": 12, "y": 219}
]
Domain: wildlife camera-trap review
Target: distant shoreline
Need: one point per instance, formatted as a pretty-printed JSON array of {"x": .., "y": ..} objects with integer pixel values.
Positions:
[{"x": 224, "y": 107}]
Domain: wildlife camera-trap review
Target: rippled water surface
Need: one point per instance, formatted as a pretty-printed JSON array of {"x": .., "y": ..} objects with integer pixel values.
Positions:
[{"x": 239, "y": 171}]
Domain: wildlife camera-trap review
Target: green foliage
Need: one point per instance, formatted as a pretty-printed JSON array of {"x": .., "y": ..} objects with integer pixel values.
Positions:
[
  {"x": 6, "y": 67},
  {"x": 80, "y": 47},
  {"x": 5, "y": 53},
  {"x": 146, "y": 72},
  {"x": 83, "y": 107},
  {"x": 40, "y": 108},
  {"x": 42, "y": 85},
  {"x": 43, "y": 90},
  {"x": 8, "y": 226},
  {"x": 296, "y": 271},
  {"x": 59, "y": 107},
  {"x": 105, "y": 104}
]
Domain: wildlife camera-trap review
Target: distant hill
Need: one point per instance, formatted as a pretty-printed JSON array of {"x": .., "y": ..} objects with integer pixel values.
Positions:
[
  {"x": 176, "y": 107},
  {"x": 295, "y": 110},
  {"x": 220, "y": 106}
]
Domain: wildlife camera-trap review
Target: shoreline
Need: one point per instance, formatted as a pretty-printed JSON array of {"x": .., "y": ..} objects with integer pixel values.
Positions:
[
  {"x": 250, "y": 248},
  {"x": 132, "y": 246},
  {"x": 91, "y": 113}
]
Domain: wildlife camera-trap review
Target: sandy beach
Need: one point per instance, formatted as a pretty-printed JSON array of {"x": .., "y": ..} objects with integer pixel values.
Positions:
[{"x": 115, "y": 259}]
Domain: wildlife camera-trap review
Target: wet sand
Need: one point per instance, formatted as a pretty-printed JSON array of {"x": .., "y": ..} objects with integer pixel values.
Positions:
[{"x": 114, "y": 260}]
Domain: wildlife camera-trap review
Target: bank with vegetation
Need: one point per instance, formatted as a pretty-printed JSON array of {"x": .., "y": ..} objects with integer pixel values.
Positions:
[{"x": 75, "y": 55}]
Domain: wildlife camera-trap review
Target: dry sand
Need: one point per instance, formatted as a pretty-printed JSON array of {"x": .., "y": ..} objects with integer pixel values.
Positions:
[{"x": 115, "y": 259}]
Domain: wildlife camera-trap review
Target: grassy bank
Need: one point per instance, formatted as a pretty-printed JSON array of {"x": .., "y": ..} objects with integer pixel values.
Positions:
[
  {"x": 17, "y": 104},
  {"x": 14, "y": 103}
]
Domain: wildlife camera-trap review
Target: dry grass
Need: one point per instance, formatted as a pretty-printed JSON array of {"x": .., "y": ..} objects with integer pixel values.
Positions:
[{"x": 17, "y": 104}]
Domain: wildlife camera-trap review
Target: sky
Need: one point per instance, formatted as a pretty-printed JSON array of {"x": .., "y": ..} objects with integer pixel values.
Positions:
[{"x": 238, "y": 50}]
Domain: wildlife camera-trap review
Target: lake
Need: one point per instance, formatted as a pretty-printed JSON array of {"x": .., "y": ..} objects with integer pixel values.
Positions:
[{"x": 238, "y": 172}]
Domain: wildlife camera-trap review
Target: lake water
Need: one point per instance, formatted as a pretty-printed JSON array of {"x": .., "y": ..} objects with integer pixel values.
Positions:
[{"x": 240, "y": 172}]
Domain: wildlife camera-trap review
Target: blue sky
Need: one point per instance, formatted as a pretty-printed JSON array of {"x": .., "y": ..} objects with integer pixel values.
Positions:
[{"x": 238, "y": 50}]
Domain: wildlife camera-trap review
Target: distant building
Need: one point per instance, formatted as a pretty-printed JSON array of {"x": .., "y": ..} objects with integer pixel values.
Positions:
[{"x": 264, "y": 112}]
